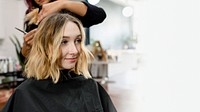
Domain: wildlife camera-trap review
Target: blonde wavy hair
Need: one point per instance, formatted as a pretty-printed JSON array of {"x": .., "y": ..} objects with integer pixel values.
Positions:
[{"x": 44, "y": 59}]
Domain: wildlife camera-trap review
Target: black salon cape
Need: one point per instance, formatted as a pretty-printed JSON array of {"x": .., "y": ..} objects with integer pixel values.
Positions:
[{"x": 73, "y": 93}]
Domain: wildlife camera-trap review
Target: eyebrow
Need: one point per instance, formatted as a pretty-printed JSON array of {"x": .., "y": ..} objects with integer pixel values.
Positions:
[{"x": 69, "y": 36}]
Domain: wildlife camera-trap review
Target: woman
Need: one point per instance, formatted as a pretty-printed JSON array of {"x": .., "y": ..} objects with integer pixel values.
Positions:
[
  {"x": 38, "y": 9},
  {"x": 57, "y": 72}
]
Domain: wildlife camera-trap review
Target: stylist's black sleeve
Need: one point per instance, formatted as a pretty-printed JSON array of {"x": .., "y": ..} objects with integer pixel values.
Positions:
[{"x": 93, "y": 16}]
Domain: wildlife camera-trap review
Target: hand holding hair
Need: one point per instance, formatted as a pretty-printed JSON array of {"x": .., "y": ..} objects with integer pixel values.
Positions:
[
  {"x": 28, "y": 41},
  {"x": 75, "y": 7},
  {"x": 49, "y": 8}
]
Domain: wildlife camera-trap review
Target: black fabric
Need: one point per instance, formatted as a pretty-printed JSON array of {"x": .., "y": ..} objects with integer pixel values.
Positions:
[
  {"x": 94, "y": 15},
  {"x": 73, "y": 93}
]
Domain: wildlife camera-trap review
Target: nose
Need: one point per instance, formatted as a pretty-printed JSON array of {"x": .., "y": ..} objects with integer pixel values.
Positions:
[{"x": 73, "y": 49}]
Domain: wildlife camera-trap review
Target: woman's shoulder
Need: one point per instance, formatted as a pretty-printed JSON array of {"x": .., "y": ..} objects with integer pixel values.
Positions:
[
  {"x": 26, "y": 84},
  {"x": 31, "y": 83},
  {"x": 90, "y": 80}
]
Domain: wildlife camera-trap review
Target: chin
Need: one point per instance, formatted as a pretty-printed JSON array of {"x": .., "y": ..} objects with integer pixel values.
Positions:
[{"x": 68, "y": 67}]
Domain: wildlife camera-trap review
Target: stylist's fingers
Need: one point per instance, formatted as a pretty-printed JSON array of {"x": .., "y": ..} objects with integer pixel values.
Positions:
[
  {"x": 28, "y": 38},
  {"x": 50, "y": 8},
  {"x": 30, "y": 42},
  {"x": 40, "y": 15},
  {"x": 43, "y": 13}
]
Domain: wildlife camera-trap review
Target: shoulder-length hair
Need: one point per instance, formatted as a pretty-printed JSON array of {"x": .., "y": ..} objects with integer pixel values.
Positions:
[{"x": 44, "y": 60}]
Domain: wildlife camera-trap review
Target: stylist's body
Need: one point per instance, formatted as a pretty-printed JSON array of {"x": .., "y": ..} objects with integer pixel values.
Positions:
[
  {"x": 88, "y": 14},
  {"x": 57, "y": 73}
]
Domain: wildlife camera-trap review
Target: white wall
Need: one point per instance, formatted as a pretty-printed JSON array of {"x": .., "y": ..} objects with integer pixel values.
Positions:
[
  {"x": 11, "y": 14},
  {"x": 114, "y": 29},
  {"x": 169, "y": 38}
]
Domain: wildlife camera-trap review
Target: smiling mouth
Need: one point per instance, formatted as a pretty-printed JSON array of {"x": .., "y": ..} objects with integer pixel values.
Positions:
[
  {"x": 40, "y": 1},
  {"x": 71, "y": 59}
]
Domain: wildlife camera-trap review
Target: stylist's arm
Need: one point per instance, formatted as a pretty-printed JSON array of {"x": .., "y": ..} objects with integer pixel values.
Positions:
[
  {"x": 76, "y": 7},
  {"x": 28, "y": 41}
]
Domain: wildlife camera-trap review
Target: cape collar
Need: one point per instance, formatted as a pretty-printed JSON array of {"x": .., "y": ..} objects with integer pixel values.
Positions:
[{"x": 68, "y": 75}]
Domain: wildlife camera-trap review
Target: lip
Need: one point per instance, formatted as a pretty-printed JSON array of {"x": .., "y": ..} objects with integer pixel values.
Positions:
[
  {"x": 41, "y": 1},
  {"x": 71, "y": 59}
]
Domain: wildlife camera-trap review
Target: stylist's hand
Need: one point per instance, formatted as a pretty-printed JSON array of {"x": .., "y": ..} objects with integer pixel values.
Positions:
[
  {"x": 50, "y": 8},
  {"x": 28, "y": 41}
]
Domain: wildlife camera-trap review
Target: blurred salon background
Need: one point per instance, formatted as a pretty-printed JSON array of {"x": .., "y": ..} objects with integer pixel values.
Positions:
[{"x": 148, "y": 53}]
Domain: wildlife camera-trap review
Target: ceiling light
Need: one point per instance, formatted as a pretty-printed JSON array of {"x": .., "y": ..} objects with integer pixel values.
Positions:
[
  {"x": 127, "y": 11},
  {"x": 93, "y": 2}
]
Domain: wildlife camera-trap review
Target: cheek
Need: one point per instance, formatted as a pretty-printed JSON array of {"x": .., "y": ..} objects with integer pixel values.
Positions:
[
  {"x": 42, "y": 2},
  {"x": 37, "y": 1},
  {"x": 46, "y": 1},
  {"x": 78, "y": 48},
  {"x": 63, "y": 51}
]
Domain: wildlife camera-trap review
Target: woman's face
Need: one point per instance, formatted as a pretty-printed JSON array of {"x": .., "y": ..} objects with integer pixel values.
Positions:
[
  {"x": 70, "y": 45},
  {"x": 41, "y": 2}
]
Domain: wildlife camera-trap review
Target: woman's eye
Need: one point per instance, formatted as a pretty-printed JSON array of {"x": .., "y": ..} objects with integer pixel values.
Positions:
[
  {"x": 77, "y": 41},
  {"x": 64, "y": 42}
]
